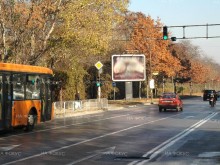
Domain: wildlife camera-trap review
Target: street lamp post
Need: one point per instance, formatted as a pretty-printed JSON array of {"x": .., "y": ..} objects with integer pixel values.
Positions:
[
  {"x": 213, "y": 87},
  {"x": 163, "y": 84},
  {"x": 155, "y": 73},
  {"x": 218, "y": 84},
  {"x": 190, "y": 88},
  {"x": 151, "y": 80},
  {"x": 151, "y": 89}
]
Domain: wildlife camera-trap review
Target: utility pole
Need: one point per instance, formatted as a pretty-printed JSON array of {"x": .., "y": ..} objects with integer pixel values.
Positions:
[{"x": 151, "y": 80}]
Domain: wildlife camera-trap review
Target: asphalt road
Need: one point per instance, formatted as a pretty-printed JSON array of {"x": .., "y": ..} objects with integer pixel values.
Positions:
[{"x": 133, "y": 135}]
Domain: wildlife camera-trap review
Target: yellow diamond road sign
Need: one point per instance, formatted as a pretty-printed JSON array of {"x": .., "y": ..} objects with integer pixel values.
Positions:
[{"x": 98, "y": 65}]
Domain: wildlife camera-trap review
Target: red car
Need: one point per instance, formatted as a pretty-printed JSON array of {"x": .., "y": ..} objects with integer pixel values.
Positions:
[{"x": 170, "y": 101}]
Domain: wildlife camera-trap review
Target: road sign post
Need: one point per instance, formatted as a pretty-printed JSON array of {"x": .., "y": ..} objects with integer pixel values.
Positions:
[{"x": 99, "y": 66}]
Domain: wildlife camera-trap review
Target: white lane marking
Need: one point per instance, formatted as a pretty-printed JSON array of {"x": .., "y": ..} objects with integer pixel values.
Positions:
[
  {"x": 157, "y": 150},
  {"x": 187, "y": 117},
  {"x": 96, "y": 153},
  {"x": 62, "y": 126},
  {"x": 88, "y": 140},
  {"x": 132, "y": 106},
  {"x": 8, "y": 147},
  {"x": 209, "y": 154},
  {"x": 134, "y": 162}
]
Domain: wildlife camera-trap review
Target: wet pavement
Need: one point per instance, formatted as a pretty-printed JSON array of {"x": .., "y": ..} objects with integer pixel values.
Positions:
[{"x": 137, "y": 134}]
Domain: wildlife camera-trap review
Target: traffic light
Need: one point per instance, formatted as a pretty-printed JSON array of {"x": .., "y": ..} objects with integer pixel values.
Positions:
[
  {"x": 173, "y": 38},
  {"x": 165, "y": 33},
  {"x": 98, "y": 84}
]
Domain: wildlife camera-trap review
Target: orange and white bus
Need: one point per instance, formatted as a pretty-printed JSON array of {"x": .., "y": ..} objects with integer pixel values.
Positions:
[{"x": 25, "y": 95}]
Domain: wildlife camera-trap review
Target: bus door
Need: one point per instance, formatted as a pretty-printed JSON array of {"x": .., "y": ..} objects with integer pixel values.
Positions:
[
  {"x": 6, "y": 99},
  {"x": 46, "y": 100}
]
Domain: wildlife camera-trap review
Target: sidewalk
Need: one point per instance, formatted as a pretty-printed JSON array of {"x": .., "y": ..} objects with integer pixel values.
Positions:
[{"x": 112, "y": 106}]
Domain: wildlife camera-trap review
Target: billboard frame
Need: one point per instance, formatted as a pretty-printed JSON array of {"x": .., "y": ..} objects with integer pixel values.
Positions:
[{"x": 139, "y": 58}]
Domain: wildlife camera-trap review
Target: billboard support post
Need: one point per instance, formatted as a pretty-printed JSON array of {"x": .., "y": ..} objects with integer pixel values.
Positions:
[
  {"x": 140, "y": 90},
  {"x": 128, "y": 90},
  {"x": 128, "y": 68}
]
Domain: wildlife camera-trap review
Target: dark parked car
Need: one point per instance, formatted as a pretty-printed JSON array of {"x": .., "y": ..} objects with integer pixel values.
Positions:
[
  {"x": 170, "y": 101},
  {"x": 206, "y": 94}
]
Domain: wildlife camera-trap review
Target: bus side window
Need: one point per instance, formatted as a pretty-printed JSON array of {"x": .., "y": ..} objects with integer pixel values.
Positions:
[
  {"x": 18, "y": 86},
  {"x": 33, "y": 87}
]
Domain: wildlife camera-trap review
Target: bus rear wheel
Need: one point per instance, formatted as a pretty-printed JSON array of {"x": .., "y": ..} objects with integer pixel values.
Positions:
[{"x": 31, "y": 120}]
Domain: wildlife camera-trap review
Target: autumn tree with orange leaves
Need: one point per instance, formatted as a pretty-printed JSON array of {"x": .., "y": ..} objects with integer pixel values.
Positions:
[
  {"x": 146, "y": 37},
  {"x": 193, "y": 65},
  {"x": 198, "y": 72}
]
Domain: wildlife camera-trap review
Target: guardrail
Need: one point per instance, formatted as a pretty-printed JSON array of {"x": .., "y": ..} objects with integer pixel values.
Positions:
[{"x": 69, "y": 108}]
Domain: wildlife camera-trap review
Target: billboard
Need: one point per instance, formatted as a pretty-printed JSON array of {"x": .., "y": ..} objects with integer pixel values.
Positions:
[{"x": 128, "y": 67}]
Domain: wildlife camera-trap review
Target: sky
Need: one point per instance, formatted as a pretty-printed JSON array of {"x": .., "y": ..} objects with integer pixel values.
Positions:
[{"x": 186, "y": 12}]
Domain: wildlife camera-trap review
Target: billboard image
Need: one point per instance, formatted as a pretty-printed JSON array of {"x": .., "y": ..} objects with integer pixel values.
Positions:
[{"x": 128, "y": 67}]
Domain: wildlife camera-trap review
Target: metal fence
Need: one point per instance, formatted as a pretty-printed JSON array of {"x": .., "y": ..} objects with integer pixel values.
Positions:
[{"x": 69, "y": 108}]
